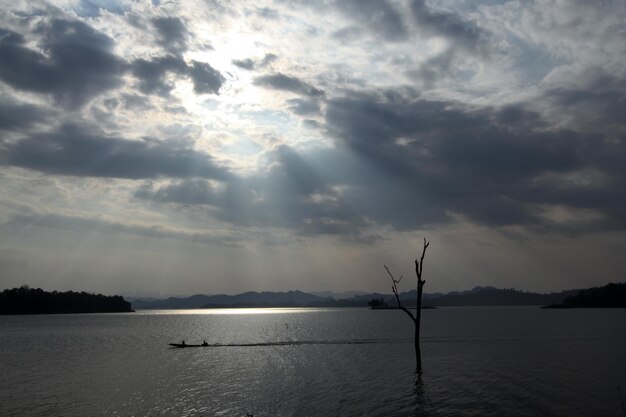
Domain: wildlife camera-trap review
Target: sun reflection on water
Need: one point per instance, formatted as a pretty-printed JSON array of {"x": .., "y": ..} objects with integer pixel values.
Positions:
[{"x": 236, "y": 311}]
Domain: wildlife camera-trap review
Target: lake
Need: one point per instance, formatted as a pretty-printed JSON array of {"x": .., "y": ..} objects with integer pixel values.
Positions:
[{"x": 477, "y": 361}]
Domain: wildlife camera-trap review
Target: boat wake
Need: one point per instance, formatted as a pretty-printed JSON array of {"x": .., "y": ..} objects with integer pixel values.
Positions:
[{"x": 294, "y": 343}]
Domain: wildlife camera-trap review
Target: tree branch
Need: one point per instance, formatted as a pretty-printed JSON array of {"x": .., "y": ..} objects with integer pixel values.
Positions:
[
  {"x": 419, "y": 265},
  {"x": 394, "y": 288}
]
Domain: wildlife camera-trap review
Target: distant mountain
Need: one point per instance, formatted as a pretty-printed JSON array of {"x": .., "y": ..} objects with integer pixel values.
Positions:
[
  {"x": 477, "y": 296},
  {"x": 195, "y": 301},
  {"x": 133, "y": 299},
  {"x": 609, "y": 296},
  {"x": 251, "y": 298},
  {"x": 338, "y": 295},
  {"x": 295, "y": 298}
]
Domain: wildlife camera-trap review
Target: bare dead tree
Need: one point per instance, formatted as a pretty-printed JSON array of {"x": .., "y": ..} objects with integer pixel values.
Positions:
[{"x": 419, "y": 265}]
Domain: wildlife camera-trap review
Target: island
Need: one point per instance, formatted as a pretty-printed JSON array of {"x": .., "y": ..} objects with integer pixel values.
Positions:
[
  {"x": 26, "y": 300},
  {"x": 609, "y": 296}
]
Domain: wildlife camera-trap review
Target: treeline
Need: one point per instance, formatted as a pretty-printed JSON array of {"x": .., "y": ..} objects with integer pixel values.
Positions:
[
  {"x": 609, "y": 296},
  {"x": 479, "y": 296},
  {"x": 25, "y": 300},
  {"x": 497, "y": 297}
]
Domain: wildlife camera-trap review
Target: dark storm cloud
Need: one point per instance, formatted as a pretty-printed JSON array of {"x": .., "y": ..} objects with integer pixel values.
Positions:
[
  {"x": 438, "y": 131},
  {"x": 77, "y": 62},
  {"x": 410, "y": 163},
  {"x": 428, "y": 159},
  {"x": 284, "y": 82},
  {"x": 19, "y": 116},
  {"x": 152, "y": 75},
  {"x": 290, "y": 195},
  {"x": 83, "y": 151},
  {"x": 595, "y": 90},
  {"x": 172, "y": 34}
]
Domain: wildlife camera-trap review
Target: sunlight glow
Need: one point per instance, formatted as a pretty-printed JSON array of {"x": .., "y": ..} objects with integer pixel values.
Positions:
[{"x": 236, "y": 311}]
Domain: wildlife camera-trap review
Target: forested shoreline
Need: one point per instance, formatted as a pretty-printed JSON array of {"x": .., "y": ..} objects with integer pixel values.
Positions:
[{"x": 25, "y": 300}]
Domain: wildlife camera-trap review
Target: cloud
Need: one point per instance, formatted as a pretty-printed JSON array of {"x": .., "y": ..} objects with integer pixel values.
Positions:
[
  {"x": 172, "y": 34},
  {"x": 449, "y": 25},
  {"x": 152, "y": 75},
  {"x": 135, "y": 101},
  {"x": 206, "y": 79},
  {"x": 16, "y": 116},
  {"x": 409, "y": 162},
  {"x": 436, "y": 68},
  {"x": 304, "y": 107},
  {"x": 187, "y": 192},
  {"x": 431, "y": 159},
  {"x": 376, "y": 15},
  {"x": 290, "y": 195},
  {"x": 250, "y": 64},
  {"x": 284, "y": 82},
  {"x": 268, "y": 59},
  {"x": 77, "y": 65},
  {"x": 84, "y": 151},
  {"x": 267, "y": 13},
  {"x": 247, "y": 64},
  {"x": 594, "y": 99},
  {"x": 90, "y": 224}
]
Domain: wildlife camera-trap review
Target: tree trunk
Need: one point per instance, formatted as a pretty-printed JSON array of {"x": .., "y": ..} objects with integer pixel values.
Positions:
[
  {"x": 418, "y": 352},
  {"x": 418, "y": 316},
  {"x": 419, "y": 265}
]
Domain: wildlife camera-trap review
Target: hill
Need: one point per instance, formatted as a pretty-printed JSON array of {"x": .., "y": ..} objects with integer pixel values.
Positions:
[
  {"x": 478, "y": 296},
  {"x": 25, "y": 300},
  {"x": 609, "y": 296},
  {"x": 247, "y": 299}
]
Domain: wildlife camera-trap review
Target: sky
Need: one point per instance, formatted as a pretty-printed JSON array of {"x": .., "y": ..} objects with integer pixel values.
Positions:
[{"x": 172, "y": 148}]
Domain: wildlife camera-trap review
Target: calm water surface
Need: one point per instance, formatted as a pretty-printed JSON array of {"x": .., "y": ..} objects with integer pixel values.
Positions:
[{"x": 338, "y": 362}]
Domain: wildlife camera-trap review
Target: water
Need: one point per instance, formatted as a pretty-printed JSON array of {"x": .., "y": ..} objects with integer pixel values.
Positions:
[{"x": 337, "y": 362}]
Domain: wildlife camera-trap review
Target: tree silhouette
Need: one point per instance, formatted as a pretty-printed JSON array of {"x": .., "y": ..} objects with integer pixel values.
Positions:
[
  {"x": 25, "y": 300},
  {"x": 419, "y": 265}
]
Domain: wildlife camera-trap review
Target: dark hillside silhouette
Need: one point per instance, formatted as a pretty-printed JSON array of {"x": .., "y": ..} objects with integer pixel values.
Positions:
[
  {"x": 489, "y": 296},
  {"x": 609, "y": 296},
  {"x": 478, "y": 296},
  {"x": 25, "y": 300}
]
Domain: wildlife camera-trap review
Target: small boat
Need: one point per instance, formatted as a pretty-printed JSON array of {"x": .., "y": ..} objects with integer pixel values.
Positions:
[{"x": 180, "y": 345}]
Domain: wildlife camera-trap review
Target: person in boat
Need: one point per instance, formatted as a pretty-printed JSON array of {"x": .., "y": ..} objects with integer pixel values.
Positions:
[
  {"x": 204, "y": 343},
  {"x": 183, "y": 344}
]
